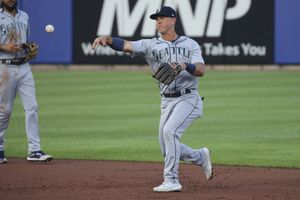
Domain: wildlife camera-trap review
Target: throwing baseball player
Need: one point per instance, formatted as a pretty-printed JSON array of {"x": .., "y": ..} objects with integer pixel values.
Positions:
[
  {"x": 177, "y": 64},
  {"x": 16, "y": 76}
]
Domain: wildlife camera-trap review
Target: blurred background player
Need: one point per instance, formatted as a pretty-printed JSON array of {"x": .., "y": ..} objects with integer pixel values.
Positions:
[
  {"x": 16, "y": 77},
  {"x": 181, "y": 103}
]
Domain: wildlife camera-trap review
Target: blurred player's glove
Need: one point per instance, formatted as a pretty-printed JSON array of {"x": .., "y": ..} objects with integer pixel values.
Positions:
[
  {"x": 166, "y": 73},
  {"x": 31, "y": 49}
]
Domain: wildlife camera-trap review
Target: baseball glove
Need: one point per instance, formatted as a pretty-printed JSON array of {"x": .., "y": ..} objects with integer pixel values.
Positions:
[
  {"x": 31, "y": 49},
  {"x": 166, "y": 73}
]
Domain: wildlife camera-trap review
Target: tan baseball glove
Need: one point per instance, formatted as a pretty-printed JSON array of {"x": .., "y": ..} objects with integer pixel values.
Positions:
[
  {"x": 166, "y": 73},
  {"x": 31, "y": 49}
]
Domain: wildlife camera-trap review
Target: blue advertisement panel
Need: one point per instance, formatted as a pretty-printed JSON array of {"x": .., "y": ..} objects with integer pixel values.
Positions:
[
  {"x": 287, "y": 32},
  {"x": 54, "y": 47}
]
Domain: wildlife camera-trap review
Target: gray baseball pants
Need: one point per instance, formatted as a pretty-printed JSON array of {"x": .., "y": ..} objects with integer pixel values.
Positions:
[
  {"x": 19, "y": 79},
  {"x": 176, "y": 115}
]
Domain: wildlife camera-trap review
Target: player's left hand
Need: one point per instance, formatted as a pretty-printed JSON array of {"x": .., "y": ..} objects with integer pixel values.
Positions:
[{"x": 32, "y": 49}]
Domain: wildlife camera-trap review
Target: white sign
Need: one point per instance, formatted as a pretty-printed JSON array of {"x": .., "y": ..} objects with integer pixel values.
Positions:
[{"x": 206, "y": 19}]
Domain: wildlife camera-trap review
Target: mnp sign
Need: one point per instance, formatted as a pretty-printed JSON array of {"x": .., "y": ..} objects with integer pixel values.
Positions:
[{"x": 229, "y": 31}]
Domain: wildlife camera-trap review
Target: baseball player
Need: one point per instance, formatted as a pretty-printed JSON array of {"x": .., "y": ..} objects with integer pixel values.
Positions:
[
  {"x": 16, "y": 77},
  {"x": 180, "y": 103}
]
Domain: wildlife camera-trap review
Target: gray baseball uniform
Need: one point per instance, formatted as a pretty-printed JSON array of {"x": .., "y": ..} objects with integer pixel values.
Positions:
[
  {"x": 18, "y": 79},
  {"x": 177, "y": 113}
]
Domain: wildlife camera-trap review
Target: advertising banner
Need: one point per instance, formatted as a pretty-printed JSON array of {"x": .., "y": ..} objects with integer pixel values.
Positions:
[{"x": 229, "y": 31}]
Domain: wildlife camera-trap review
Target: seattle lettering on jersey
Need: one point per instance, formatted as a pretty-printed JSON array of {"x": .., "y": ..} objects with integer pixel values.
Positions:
[
  {"x": 11, "y": 28},
  {"x": 166, "y": 52}
]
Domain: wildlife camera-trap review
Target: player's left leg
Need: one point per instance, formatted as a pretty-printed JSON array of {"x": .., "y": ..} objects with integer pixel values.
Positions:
[
  {"x": 28, "y": 97},
  {"x": 186, "y": 110}
]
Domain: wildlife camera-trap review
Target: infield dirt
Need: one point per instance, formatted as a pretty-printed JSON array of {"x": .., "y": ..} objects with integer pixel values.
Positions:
[{"x": 94, "y": 180}]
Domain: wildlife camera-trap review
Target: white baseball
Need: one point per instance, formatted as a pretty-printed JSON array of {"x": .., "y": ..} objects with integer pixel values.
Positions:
[{"x": 49, "y": 28}]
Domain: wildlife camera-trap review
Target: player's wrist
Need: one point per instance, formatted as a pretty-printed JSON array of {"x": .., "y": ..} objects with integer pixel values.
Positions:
[
  {"x": 2, "y": 47},
  {"x": 117, "y": 43},
  {"x": 190, "y": 67}
]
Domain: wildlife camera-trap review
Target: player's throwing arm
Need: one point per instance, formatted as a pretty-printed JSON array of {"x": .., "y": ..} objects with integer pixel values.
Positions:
[{"x": 115, "y": 43}]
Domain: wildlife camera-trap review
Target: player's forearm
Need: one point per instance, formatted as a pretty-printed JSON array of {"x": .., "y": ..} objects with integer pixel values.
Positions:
[
  {"x": 196, "y": 69},
  {"x": 116, "y": 43},
  {"x": 120, "y": 44},
  {"x": 11, "y": 48},
  {"x": 3, "y": 47}
]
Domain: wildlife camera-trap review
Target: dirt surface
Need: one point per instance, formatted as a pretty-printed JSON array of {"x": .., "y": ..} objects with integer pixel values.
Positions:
[{"x": 91, "y": 180}]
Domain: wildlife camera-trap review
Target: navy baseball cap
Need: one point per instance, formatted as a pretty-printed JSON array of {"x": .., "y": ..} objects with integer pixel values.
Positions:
[{"x": 164, "y": 11}]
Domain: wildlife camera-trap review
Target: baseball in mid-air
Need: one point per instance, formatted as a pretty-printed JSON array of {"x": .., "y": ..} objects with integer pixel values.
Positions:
[{"x": 49, "y": 28}]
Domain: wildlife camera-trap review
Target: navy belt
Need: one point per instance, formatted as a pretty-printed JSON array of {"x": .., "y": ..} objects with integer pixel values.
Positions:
[
  {"x": 177, "y": 93},
  {"x": 15, "y": 61}
]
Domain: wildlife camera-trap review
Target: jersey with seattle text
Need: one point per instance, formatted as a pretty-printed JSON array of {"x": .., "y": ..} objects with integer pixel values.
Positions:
[
  {"x": 181, "y": 50},
  {"x": 13, "y": 30}
]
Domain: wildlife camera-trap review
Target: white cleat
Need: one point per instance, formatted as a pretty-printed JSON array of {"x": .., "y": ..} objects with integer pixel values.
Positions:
[
  {"x": 39, "y": 156},
  {"x": 206, "y": 165},
  {"x": 167, "y": 186},
  {"x": 3, "y": 160}
]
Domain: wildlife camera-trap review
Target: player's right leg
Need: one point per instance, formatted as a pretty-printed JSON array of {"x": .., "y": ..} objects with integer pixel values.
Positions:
[
  {"x": 169, "y": 185},
  {"x": 163, "y": 119},
  {"x": 9, "y": 82}
]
